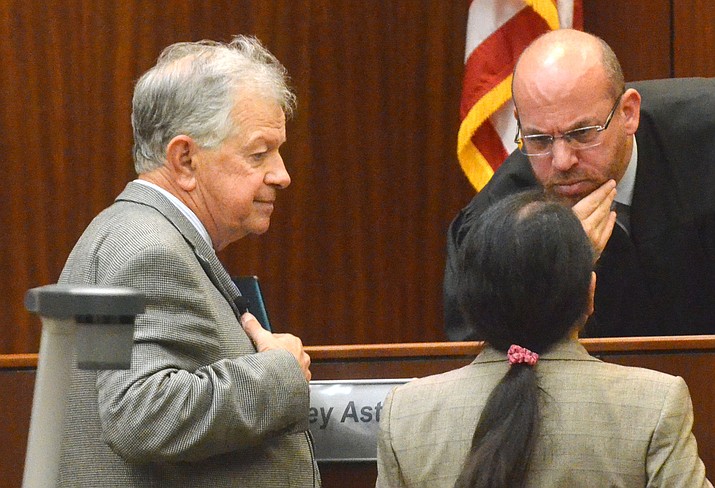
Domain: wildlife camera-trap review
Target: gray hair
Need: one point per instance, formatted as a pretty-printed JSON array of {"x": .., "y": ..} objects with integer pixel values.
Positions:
[{"x": 192, "y": 90}]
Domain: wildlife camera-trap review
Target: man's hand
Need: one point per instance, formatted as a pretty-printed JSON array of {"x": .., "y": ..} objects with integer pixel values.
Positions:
[
  {"x": 267, "y": 341},
  {"x": 594, "y": 212}
]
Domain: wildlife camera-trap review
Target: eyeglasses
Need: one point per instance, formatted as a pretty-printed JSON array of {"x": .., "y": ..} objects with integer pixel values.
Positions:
[{"x": 581, "y": 138}]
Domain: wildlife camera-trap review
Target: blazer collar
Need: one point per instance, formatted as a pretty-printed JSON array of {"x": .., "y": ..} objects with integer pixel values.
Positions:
[
  {"x": 566, "y": 350},
  {"x": 145, "y": 195}
]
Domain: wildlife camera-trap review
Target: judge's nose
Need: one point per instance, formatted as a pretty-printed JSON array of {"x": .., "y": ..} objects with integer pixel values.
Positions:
[{"x": 563, "y": 157}]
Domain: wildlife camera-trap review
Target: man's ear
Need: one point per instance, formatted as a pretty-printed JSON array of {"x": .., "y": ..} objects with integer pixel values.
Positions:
[
  {"x": 179, "y": 158},
  {"x": 631, "y": 107}
]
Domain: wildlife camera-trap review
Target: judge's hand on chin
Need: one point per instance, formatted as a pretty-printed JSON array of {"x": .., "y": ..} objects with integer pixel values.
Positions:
[{"x": 594, "y": 212}]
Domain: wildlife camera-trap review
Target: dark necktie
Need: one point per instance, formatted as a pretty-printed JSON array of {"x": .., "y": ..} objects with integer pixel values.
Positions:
[{"x": 623, "y": 216}]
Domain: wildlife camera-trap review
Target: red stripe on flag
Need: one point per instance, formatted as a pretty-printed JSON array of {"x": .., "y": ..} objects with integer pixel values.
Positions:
[
  {"x": 494, "y": 59},
  {"x": 486, "y": 138}
]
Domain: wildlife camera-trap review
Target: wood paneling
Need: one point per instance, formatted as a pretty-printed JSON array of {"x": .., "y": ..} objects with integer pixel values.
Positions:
[
  {"x": 16, "y": 387},
  {"x": 638, "y": 31},
  {"x": 355, "y": 253},
  {"x": 694, "y": 40}
]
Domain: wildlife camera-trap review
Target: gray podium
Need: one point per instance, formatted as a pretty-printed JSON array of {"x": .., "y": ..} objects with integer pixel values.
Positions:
[{"x": 92, "y": 325}]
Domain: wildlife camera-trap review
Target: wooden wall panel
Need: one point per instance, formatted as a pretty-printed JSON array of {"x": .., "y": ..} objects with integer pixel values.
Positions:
[
  {"x": 657, "y": 38},
  {"x": 638, "y": 31},
  {"x": 17, "y": 388},
  {"x": 694, "y": 40}
]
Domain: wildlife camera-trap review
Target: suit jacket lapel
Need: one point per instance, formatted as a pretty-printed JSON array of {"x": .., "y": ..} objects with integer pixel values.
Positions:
[
  {"x": 650, "y": 217},
  {"x": 144, "y": 195}
]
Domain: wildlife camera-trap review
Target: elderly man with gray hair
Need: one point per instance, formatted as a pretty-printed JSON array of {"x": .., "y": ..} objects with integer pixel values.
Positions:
[{"x": 211, "y": 399}]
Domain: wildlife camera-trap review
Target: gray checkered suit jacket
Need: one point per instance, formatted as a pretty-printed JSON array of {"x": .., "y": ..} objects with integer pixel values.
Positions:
[
  {"x": 199, "y": 407},
  {"x": 603, "y": 425}
]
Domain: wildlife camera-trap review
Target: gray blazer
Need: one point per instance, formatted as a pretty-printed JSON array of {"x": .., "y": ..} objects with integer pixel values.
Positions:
[
  {"x": 199, "y": 407},
  {"x": 603, "y": 425}
]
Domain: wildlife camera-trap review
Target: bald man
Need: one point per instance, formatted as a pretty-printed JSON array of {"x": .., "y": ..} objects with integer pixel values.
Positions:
[{"x": 637, "y": 165}]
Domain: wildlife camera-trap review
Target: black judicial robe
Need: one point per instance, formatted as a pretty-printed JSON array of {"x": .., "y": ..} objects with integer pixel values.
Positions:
[{"x": 661, "y": 280}]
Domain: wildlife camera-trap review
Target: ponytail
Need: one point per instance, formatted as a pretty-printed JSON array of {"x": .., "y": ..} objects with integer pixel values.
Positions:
[{"x": 505, "y": 435}]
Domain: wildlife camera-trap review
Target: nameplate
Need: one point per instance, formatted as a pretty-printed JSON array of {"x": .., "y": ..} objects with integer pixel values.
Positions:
[{"x": 344, "y": 417}]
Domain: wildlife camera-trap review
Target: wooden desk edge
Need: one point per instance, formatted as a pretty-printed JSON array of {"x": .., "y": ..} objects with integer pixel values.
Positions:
[
  {"x": 18, "y": 361},
  {"x": 614, "y": 345}
]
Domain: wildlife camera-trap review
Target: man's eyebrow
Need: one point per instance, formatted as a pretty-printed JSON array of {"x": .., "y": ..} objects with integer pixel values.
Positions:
[
  {"x": 255, "y": 139},
  {"x": 260, "y": 137}
]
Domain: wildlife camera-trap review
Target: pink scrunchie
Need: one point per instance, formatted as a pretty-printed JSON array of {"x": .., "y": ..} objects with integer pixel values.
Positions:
[{"x": 518, "y": 354}]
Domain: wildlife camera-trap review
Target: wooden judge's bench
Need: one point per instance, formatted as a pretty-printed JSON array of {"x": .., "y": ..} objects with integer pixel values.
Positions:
[{"x": 692, "y": 357}]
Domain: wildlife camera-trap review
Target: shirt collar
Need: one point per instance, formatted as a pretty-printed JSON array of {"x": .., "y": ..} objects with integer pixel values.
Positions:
[
  {"x": 186, "y": 211},
  {"x": 624, "y": 188}
]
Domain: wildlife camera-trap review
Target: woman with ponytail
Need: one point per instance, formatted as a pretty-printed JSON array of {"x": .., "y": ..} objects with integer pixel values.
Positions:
[{"x": 535, "y": 409}]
